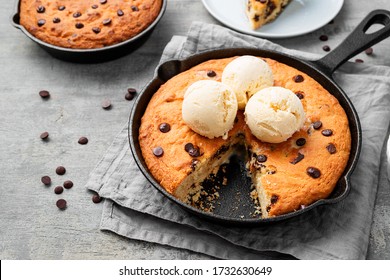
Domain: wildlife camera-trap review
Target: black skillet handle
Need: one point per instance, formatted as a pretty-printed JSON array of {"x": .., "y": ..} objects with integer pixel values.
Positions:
[{"x": 357, "y": 41}]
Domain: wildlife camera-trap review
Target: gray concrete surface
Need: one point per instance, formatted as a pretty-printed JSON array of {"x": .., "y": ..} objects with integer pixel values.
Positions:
[{"x": 31, "y": 226}]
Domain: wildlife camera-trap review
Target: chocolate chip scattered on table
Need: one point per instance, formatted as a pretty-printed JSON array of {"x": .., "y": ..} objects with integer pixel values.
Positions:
[
  {"x": 61, "y": 204},
  {"x": 83, "y": 140},
  {"x": 46, "y": 180},
  {"x": 60, "y": 170},
  {"x": 68, "y": 184},
  {"x": 44, "y": 94}
]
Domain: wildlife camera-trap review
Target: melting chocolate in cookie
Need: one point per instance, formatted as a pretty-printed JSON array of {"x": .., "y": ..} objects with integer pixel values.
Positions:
[
  {"x": 120, "y": 13},
  {"x": 106, "y": 21},
  {"x": 164, "y": 127},
  {"x": 158, "y": 151},
  {"x": 327, "y": 132},
  {"x": 317, "y": 125},
  {"x": 192, "y": 150},
  {"x": 41, "y": 22},
  {"x": 274, "y": 198},
  {"x": 61, "y": 8},
  {"x": 299, "y": 94},
  {"x": 41, "y": 9},
  {"x": 211, "y": 73},
  {"x": 300, "y": 142},
  {"x": 261, "y": 158},
  {"x": 331, "y": 148},
  {"x": 79, "y": 25},
  {"x": 298, "y": 158},
  {"x": 298, "y": 78},
  {"x": 96, "y": 30},
  {"x": 313, "y": 172}
]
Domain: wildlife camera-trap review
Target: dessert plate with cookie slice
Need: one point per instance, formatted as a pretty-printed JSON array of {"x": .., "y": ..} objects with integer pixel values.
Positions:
[
  {"x": 251, "y": 136},
  {"x": 274, "y": 18}
]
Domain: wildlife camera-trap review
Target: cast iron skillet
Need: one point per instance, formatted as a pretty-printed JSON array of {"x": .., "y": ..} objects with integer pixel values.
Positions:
[
  {"x": 235, "y": 208},
  {"x": 90, "y": 55}
]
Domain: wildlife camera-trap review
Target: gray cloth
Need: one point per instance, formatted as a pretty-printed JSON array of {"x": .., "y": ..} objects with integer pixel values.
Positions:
[{"x": 133, "y": 208}]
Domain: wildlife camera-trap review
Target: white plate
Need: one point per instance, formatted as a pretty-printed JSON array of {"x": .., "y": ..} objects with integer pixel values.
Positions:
[{"x": 298, "y": 18}]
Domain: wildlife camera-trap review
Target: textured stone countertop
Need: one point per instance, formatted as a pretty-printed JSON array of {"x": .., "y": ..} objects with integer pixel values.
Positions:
[{"x": 31, "y": 226}]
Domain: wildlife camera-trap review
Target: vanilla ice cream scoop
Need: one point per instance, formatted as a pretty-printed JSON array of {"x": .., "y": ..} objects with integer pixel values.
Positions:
[
  {"x": 209, "y": 108},
  {"x": 273, "y": 114},
  {"x": 246, "y": 75}
]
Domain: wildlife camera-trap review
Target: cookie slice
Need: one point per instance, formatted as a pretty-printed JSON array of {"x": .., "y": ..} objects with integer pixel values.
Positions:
[{"x": 261, "y": 12}]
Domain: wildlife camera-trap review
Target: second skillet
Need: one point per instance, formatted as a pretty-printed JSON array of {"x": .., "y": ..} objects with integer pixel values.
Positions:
[{"x": 321, "y": 70}]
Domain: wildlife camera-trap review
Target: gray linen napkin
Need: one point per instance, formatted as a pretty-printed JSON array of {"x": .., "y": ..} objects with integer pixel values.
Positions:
[{"x": 133, "y": 208}]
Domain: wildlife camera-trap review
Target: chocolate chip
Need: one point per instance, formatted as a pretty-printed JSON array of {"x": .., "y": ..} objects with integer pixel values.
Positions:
[
  {"x": 44, "y": 135},
  {"x": 106, "y": 104},
  {"x": 263, "y": 1},
  {"x": 103, "y": 1},
  {"x": 58, "y": 190},
  {"x": 60, "y": 170},
  {"x": 96, "y": 30},
  {"x": 256, "y": 17},
  {"x": 56, "y": 20},
  {"x": 369, "y": 51},
  {"x": 61, "y": 8},
  {"x": 261, "y": 158},
  {"x": 268, "y": 208},
  {"x": 358, "y": 60},
  {"x": 211, "y": 73},
  {"x": 317, "y": 125},
  {"x": 83, "y": 140},
  {"x": 327, "y": 132},
  {"x": 79, "y": 25},
  {"x": 324, "y": 38},
  {"x": 44, "y": 94},
  {"x": 300, "y": 142},
  {"x": 94, "y": 6},
  {"x": 313, "y": 172},
  {"x": 120, "y": 13},
  {"x": 41, "y": 22},
  {"x": 77, "y": 14},
  {"x": 188, "y": 147},
  {"x": 298, "y": 78},
  {"x": 164, "y": 127},
  {"x": 106, "y": 21},
  {"x": 326, "y": 48},
  {"x": 96, "y": 198},
  {"x": 61, "y": 203},
  {"x": 331, "y": 148},
  {"x": 46, "y": 180},
  {"x": 299, "y": 94},
  {"x": 158, "y": 151},
  {"x": 194, "y": 162},
  {"x": 194, "y": 152},
  {"x": 274, "y": 199},
  {"x": 41, "y": 9},
  {"x": 68, "y": 184},
  {"x": 131, "y": 92},
  {"x": 134, "y": 8},
  {"x": 298, "y": 158}
]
